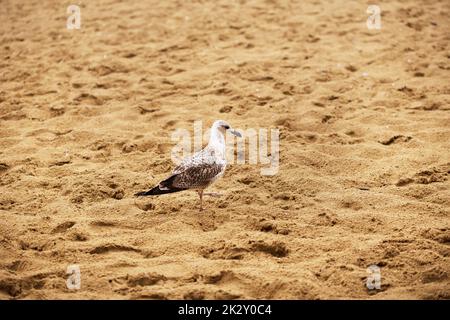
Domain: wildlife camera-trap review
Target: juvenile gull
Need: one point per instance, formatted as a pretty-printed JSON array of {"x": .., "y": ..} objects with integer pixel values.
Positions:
[{"x": 200, "y": 170}]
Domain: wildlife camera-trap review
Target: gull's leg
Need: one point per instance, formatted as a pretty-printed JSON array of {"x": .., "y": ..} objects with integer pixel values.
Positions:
[
  {"x": 213, "y": 194},
  {"x": 200, "y": 194}
]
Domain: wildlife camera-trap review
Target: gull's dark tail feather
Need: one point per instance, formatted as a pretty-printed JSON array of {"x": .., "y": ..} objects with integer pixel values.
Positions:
[
  {"x": 165, "y": 186},
  {"x": 156, "y": 191}
]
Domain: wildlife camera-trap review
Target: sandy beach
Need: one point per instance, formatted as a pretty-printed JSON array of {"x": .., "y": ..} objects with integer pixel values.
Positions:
[{"x": 86, "y": 121}]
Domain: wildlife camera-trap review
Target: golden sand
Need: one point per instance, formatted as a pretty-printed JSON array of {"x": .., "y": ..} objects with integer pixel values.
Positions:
[{"x": 86, "y": 118}]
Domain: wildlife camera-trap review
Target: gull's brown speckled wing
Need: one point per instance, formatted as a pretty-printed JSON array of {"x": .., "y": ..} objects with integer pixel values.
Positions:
[{"x": 196, "y": 172}]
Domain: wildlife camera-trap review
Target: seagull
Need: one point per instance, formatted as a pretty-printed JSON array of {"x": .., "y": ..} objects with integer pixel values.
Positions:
[{"x": 200, "y": 170}]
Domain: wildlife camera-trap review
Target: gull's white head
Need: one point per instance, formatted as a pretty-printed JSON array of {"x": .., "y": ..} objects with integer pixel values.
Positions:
[{"x": 223, "y": 126}]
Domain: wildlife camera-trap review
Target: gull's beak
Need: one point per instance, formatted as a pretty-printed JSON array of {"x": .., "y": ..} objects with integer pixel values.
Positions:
[{"x": 236, "y": 133}]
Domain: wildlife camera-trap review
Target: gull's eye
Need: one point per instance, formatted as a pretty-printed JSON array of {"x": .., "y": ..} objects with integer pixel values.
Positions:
[{"x": 226, "y": 127}]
